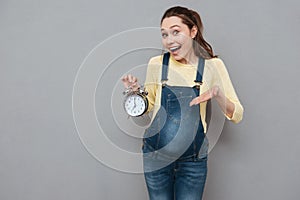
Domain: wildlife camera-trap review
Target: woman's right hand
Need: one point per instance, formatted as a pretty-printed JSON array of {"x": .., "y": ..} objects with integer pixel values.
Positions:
[{"x": 131, "y": 82}]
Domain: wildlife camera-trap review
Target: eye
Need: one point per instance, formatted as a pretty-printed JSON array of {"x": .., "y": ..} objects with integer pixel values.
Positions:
[
  {"x": 175, "y": 32},
  {"x": 164, "y": 35}
]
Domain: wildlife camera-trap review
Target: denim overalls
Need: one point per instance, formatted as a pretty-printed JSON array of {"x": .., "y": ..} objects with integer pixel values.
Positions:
[{"x": 175, "y": 165}]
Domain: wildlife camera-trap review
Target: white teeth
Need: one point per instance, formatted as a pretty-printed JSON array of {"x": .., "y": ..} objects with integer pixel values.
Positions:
[{"x": 175, "y": 48}]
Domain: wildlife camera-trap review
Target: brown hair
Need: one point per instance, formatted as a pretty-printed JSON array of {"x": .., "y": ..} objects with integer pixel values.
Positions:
[{"x": 192, "y": 18}]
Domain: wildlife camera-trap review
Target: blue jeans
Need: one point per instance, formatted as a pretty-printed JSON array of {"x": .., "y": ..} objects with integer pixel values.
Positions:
[{"x": 183, "y": 179}]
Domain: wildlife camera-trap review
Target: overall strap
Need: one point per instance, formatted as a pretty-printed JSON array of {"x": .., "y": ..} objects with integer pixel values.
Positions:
[
  {"x": 200, "y": 70},
  {"x": 165, "y": 66}
]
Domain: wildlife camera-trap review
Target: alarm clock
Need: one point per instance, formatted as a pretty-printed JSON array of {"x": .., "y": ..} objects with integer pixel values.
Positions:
[{"x": 135, "y": 102}]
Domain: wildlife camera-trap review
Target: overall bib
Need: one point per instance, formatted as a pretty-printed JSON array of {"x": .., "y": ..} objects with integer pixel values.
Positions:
[{"x": 175, "y": 165}]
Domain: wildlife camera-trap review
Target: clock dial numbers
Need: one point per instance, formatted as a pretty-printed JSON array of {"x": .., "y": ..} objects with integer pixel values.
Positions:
[{"x": 135, "y": 105}]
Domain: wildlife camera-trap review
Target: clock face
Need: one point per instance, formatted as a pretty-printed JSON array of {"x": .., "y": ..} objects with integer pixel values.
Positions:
[{"x": 135, "y": 105}]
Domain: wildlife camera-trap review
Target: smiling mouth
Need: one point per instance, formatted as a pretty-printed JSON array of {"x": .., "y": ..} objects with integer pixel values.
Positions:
[{"x": 173, "y": 49}]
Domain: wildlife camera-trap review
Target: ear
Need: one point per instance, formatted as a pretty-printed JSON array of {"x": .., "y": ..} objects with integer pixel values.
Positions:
[{"x": 194, "y": 32}]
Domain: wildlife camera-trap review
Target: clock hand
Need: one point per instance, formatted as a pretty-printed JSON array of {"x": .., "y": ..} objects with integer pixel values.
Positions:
[
  {"x": 134, "y": 103},
  {"x": 134, "y": 106}
]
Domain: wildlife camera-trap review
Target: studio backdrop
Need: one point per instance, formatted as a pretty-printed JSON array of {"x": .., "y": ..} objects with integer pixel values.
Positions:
[{"x": 64, "y": 133}]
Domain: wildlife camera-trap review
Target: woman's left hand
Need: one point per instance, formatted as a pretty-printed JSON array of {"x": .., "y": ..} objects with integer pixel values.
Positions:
[{"x": 211, "y": 93}]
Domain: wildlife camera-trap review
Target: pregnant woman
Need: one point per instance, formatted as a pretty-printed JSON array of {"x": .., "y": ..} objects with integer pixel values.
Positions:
[{"x": 179, "y": 84}]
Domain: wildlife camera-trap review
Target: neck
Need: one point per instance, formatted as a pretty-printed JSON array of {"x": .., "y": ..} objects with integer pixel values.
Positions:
[{"x": 190, "y": 58}]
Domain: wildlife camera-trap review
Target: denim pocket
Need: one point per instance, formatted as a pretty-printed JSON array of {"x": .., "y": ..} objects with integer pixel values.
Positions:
[{"x": 183, "y": 101}]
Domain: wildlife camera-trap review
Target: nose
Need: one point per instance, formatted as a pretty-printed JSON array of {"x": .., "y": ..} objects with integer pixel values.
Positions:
[{"x": 170, "y": 39}]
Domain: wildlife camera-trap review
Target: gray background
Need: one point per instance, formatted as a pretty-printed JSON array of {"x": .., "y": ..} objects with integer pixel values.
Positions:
[{"x": 42, "y": 45}]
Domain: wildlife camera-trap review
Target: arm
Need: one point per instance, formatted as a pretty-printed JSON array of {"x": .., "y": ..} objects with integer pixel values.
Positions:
[
  {"x": 131, "y": 82},
  {"x": 151, "y": 83},
  {"x": 223, "y": 91}
]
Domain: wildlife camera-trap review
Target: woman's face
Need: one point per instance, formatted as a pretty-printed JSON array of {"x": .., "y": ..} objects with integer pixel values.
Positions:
[{"x": 177, "y": 38}]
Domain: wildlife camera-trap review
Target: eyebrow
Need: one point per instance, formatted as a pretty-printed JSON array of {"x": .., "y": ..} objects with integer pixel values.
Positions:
[{"x": 171, "y": 27}]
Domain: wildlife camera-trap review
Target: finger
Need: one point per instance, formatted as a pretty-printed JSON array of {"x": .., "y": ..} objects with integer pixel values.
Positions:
[
  {"x": 135, "y": 84},
  {"x": 130, "y": 78},
  {"x": 134, "y": 79},
  {"x": 195, "y": 101},
  {"x": 192, "y": 103},
  {"x": 216, "y": 91},
  {"x": 125, "y": 81},
  {"x": 124, "y": 78},
  {"x": 206, "y": 96}
]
